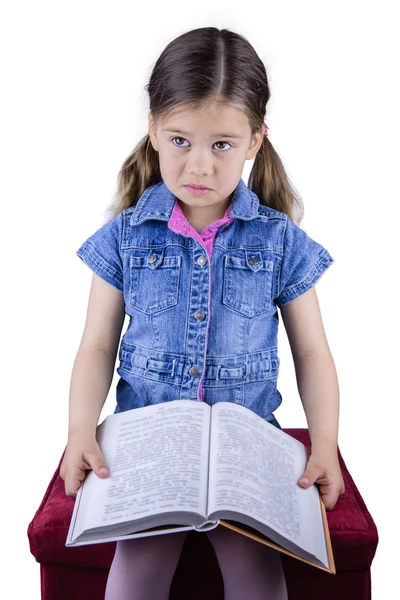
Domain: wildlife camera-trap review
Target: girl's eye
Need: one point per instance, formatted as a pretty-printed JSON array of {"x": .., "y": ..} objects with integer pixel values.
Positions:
[
  {"x": 224, "y": 143},
  {"x": 181, "y": 138},
  {"x": 178, "y": 138}
]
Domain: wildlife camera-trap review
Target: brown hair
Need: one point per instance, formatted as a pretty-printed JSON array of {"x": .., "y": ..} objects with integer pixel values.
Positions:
[{"x": 219, "y": 65}]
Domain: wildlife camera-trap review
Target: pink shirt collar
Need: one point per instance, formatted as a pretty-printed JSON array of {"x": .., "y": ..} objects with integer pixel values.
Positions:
[{"x": 179, "y": 224}]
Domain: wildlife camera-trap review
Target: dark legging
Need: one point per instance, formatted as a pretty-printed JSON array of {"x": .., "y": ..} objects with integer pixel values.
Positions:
[{"x": 143, "y": 568}]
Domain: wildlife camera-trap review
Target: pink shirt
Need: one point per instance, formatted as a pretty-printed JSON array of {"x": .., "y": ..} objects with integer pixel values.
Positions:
[{"x": 179, "y": 224}]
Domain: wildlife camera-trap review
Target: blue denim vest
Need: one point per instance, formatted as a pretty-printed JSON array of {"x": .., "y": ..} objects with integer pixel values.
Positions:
[{"x": 183, "y": 331}]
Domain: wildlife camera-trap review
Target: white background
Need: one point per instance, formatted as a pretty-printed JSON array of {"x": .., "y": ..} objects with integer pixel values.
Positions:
[{"x": 73, "y": 106}]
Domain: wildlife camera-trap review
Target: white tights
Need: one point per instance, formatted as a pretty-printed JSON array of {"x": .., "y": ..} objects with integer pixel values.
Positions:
[{"x": 143, "y": 568}]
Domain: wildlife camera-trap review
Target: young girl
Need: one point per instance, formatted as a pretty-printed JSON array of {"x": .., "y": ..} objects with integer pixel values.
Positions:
[{"x": 200, "y": 262}]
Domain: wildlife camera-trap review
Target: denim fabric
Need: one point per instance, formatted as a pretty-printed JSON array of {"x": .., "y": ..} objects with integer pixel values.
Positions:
[
  {"x": 178, "y": 223},
  {"x": 179, "y": 334}
]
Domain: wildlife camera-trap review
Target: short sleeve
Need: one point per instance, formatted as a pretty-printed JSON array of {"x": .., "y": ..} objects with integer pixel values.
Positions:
[
  {"x": 304, "y": 261},
  {"x": 101, "y": 252}
]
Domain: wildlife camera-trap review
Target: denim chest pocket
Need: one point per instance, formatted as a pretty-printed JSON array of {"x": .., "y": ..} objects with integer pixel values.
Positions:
[
  {"x": 154, "y": 281},
  {"x": 247, "y": 286}
]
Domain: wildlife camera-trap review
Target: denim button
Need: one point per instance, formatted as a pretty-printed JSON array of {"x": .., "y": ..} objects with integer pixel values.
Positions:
[
  {"x": 152, "y": 258},
  {"x": 202, "y": 260},
  {"x": 254, "y": 260},
  {"x": 193, "y": 371},
  {"x": 199, "y": 315}
]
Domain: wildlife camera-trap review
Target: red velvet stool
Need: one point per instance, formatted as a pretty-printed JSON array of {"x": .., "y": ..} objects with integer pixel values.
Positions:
[{"x": 81, "y": 573}]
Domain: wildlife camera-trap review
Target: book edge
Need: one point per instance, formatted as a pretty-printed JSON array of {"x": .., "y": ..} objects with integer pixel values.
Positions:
[
  {"x": 139, "y": 534},
  {"x": 276, "y": 547},
  {"x": 328, "y": 542}
]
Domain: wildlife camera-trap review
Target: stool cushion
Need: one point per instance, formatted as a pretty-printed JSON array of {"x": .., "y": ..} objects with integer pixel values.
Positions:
[{"x": 353, "y": 532}]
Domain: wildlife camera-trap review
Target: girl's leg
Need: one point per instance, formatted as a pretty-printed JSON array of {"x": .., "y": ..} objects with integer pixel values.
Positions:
[
  {"x": 143, "y": 567},
  {"x": 249, "y": 569}
]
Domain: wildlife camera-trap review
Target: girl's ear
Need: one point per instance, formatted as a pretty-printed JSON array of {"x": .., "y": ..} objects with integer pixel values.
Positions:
[
  {"x": 152, "y": 135},
  {"x": 255, "y": 145}
]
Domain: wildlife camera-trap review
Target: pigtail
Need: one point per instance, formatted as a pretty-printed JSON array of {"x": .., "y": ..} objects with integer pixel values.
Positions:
[
  {"x": 269, "y": 180},
  {"x": 139, "y": 170}
]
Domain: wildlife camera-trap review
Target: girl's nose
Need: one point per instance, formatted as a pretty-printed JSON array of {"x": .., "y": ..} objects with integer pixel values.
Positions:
[{"x": 199, "y": 163}]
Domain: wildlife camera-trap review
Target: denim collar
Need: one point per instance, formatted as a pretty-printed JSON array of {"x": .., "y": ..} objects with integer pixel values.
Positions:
[{"x": 157, "y": 202}]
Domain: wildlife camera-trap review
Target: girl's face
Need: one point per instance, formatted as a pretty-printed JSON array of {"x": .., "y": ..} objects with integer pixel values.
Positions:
[{"x": 207, "y": 147}]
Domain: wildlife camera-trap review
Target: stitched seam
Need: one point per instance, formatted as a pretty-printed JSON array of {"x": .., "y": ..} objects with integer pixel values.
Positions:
[
  {"x": 89, "y": 251},
  {"x": 317, "y": 270}
]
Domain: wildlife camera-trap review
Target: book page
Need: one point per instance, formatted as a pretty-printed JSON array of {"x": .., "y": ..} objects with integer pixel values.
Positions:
[
  {"x": 157, "y": 457},
  {"x": 254, "y": 469}
]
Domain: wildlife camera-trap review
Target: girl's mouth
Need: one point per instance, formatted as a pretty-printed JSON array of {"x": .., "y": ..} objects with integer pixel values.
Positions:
[{"x": 197, "y": 190}]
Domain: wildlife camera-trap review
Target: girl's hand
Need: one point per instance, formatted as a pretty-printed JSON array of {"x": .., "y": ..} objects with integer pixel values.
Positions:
[
  {"x": 323, "y": 468},
  {"x": 81, "y": 454}
]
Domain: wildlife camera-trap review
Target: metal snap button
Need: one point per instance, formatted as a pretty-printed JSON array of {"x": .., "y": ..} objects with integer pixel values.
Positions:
[
  {"x": 201, "y": 261},
  {"x": 152, "y": 258},
  {"x": 199, "y": 315},
  {"x": 193, "y": 371},
  {"x": 254, "y": 260}
]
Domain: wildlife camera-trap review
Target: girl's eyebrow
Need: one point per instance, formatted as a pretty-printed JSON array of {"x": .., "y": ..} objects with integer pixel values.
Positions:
[{"x": 216, "y": 135}]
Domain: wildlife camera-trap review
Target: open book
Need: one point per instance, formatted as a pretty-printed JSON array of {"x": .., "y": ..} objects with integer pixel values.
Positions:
[{"x": 184, "y": 465}]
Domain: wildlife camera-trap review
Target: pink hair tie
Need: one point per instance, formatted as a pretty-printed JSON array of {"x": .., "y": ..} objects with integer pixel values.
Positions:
[{"x": 266, "y": 129}]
